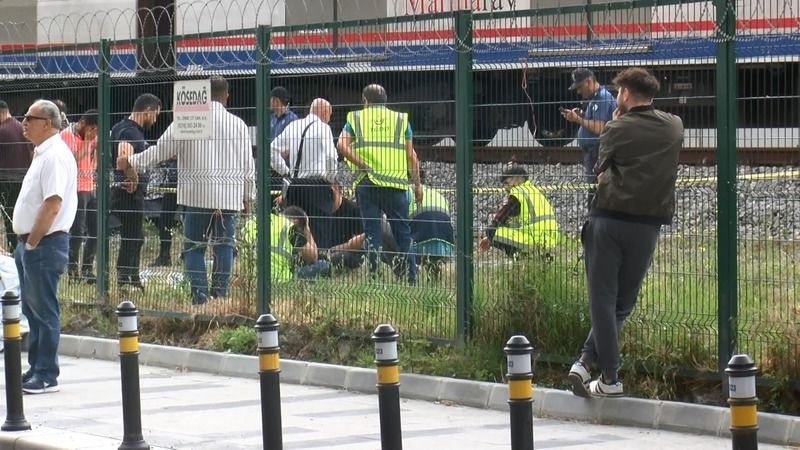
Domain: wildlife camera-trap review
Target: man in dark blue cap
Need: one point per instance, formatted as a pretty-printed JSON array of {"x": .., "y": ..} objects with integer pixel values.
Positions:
[{"x": 596, "y": 112}]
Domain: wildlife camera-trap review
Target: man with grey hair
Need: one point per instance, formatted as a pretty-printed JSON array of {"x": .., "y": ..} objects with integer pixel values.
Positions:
[
  {"x": 307, "y": 145},
  {"x": 43, "y": 216}
]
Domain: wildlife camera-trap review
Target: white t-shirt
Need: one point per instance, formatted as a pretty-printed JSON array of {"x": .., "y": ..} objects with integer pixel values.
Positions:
[{"x": 53, "y": 171}]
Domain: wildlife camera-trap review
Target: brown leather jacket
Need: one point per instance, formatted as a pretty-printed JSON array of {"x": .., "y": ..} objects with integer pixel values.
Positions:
[{"x": 638, "y": 160}]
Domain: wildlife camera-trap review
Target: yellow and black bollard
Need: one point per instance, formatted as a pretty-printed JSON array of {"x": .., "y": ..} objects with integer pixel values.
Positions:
[
  {"x": 12, "y": 341},
  {"x": 128, "y": 327},
  {"x": 385, "y": 338},
  {"x": 269, "y": 370},
  {"x": 520, "y": 392},
  {"x": 744, "y": 403}
]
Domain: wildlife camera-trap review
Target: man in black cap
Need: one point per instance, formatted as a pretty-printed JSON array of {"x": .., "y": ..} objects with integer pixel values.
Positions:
[
  {"x": 281, "y": 115},
  {"x": 596, "y": 112}
]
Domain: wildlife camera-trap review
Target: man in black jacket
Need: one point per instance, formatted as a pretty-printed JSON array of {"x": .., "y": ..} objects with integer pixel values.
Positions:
[
  {"x": 637, "y": 168},
  {"x": 127, "y": 201}
]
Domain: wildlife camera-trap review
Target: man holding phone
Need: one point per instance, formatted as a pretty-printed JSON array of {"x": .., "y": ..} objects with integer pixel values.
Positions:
[{"x": 598, "y": 110}]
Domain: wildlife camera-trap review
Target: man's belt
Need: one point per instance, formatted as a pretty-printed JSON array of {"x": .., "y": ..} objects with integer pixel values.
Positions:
[{"x": 24, "y": 237}]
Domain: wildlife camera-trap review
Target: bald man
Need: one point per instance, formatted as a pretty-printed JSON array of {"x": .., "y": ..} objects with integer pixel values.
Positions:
[{"x": 307, "y": 146}]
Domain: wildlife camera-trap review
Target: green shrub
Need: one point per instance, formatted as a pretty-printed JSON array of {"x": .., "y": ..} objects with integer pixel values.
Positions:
[{"x": 241, "y": 339}]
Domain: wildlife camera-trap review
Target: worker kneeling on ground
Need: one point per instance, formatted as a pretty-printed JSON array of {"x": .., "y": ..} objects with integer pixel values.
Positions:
[
  {"x": 431, "y": 229},
  {"x": 526, "y": 223},
  {"x": 294, "y": 250}
]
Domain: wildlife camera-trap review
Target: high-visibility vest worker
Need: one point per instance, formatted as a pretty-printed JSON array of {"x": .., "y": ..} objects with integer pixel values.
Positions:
[
  {"x": 380, "y": 142},
  {"x": 535, "y": 226},
  {"x": 281, "y": 247},
  {"x": 432, "y": 200}
]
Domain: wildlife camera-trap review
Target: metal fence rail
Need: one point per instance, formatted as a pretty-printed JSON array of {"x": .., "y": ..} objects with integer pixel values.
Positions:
[{"x": 724, "y": 276}]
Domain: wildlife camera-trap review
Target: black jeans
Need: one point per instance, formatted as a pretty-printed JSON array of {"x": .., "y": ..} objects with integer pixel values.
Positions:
[
  {"x": 83, "y": 231},
  {"x": 9, "y": 192},
  {"x": 129, "y": 209},
  {"x": 617, "y": 255}
]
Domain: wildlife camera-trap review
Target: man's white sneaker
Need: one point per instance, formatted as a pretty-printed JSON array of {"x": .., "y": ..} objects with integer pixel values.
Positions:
[
  {"x": 599, "y": 388},
  {"x": 579, "y": 377}
]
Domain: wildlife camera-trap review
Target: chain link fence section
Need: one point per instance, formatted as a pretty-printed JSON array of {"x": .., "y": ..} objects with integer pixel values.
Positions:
[{"x": 523, "y": 54}]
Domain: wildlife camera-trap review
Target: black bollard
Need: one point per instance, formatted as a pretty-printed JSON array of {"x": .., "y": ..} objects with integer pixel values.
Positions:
[
  {"x": 744, "y": 403},
  {"x": 128, "y": 327},
  {"x": 385, "y": 338},
  {"x": 12, "y": 340},
  {"x": 520, "y": 392},
  {"x": 269, "y": 372}
]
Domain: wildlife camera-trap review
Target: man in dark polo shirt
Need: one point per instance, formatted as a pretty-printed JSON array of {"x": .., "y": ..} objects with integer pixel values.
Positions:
[
  {"x": 127, "y": 137},
  {"x": 16, "y": 153},
  {"x": 637, "y": 168}
]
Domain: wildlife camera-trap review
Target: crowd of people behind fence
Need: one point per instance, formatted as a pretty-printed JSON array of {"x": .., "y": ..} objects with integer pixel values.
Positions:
[{"x": 395, "y": 220}]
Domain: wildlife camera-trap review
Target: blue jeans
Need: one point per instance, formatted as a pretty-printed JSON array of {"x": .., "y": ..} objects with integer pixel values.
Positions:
[
  {"x": 199, "y": 227},
  {"x": 320, "y": 268},
  {"x": 39, "y": 270},
  {"x": 372, "y": 200}
]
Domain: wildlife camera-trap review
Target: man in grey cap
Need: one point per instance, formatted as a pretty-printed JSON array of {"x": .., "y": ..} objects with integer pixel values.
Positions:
[{"x": 596, "y": 112}]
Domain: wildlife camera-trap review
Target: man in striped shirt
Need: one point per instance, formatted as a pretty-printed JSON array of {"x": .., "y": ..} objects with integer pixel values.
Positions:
[{"x": 216, "y": 180}]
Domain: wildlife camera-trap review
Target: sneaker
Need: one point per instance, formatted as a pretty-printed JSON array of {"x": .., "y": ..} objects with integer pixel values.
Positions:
[
  {"x": 27, "y": 375},
  {"x": 37, "y": 386},
  {"x": 599, "y": 388},
  {"x": 580, "y": 377}
]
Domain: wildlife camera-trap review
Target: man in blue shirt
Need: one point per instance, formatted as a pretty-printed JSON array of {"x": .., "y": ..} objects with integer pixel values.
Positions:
[
  {"x": 281, "y": 115},
  {"x": 598, "y": 110}
]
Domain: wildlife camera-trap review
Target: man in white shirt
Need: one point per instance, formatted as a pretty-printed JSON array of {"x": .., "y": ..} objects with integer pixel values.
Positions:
[
  {"x": 43, "y": 216},
  {"x": 312, "y": 175},
  {"x": 216, "y": 179}
]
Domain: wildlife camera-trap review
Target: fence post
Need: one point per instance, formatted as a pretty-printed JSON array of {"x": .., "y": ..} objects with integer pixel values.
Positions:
[
  {"x": 12, "y": 356},
  {"x": 726, "y": 182},
  {"x": 103, "y": 168},
  {"x": 263, "y": 170},
  {"x": 464, "y": 238}
]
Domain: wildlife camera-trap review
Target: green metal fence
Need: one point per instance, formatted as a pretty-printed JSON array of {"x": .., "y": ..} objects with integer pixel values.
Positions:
[{"x": 482, "y": 89}]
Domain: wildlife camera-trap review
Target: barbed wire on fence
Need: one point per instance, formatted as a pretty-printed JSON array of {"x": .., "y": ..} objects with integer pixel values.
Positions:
[{"x": 308, "y": 35}]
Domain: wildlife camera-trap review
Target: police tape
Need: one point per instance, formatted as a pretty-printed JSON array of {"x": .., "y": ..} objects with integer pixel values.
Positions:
[{"x": 581, "y": 187}]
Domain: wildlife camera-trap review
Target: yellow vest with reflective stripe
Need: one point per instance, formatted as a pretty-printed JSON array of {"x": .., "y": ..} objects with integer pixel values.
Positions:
[
  {"x": 432, "y": 200},
  {"x": 280, "y": 259},
  {"x": 380, "y": 141},
  {"x": 536, "y": 224}
]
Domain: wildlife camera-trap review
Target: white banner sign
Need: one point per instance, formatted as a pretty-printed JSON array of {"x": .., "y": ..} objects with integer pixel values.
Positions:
[{"x": 191, "y": 109}]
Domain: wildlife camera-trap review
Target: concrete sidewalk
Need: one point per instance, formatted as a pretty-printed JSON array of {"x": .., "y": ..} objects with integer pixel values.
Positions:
[{"x": 187, "y": 410}]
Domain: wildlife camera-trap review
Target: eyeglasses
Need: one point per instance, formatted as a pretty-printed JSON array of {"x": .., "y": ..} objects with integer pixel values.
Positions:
[{"x": 29, "y": 117}]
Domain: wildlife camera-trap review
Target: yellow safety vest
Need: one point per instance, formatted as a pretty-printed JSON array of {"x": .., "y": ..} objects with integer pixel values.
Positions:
[
  {"x": 536, "y": 225},
  {"x": 432, "y": 200},
  {"x": 280, "y": 258},
  {"x": 380, "y": 141}
]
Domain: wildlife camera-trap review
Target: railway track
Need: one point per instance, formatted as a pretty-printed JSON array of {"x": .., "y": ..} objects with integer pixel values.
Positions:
[{"x": 786, "y": 156}]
